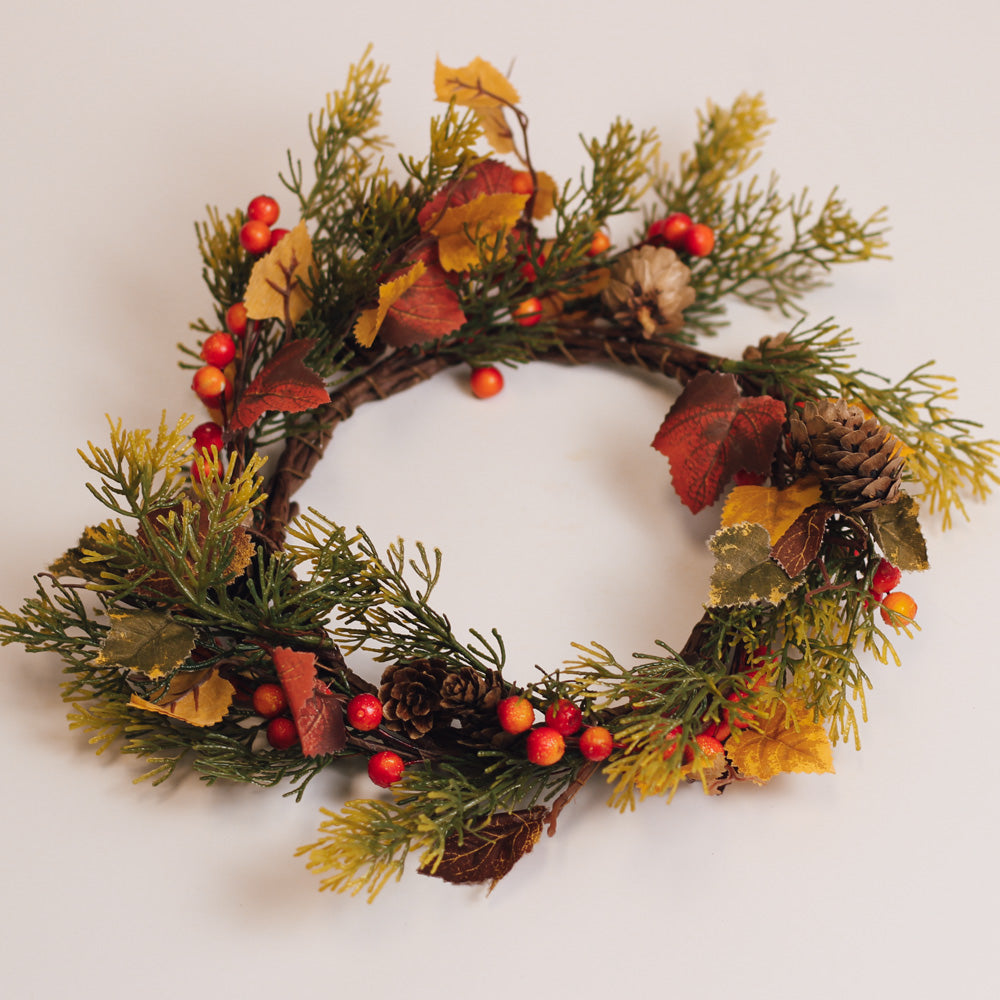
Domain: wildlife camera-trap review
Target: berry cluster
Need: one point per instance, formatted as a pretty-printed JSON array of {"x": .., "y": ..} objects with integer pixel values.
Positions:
[
  {"x": 898, "y": 608},
  {"x": 256, "y": 234},
  {"x": 546, "y": 744},
  {"x": 678, "y": 232},
  {"x": 270, "y": 702}
]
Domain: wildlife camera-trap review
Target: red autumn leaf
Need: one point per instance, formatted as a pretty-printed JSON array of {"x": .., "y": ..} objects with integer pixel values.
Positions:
[
  {"x": 489, "y": 177},
  {"x": 712, "y": 432},
  {"x": 284, "y": 383},
  {"x": 427, "y": 310},
  {"x": 801, "y": 543},
  {"x": 315, "y": 708}
]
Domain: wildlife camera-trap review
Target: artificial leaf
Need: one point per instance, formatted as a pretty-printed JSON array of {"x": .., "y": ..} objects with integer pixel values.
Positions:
[
  {"x": 801, "y": 543},
  {"x": 788, "y": 740},
  {"x": 428, "y": 310},
  {"x": 897, "y": 533},
  {"x": 461, "y": 228},
  {"x": 491, "y": 851},
  {"x": 148, "y": 641},
  {"x": 775, "y": 509},
  {"x": 495, "y": 128},
  {"x": 279, "y": 281},
  {"x": 488, "y": 177},
  {"x": 200, "y": 699},
  {"x": 744, "y": 571},
  {"x": 712, "y": 432},
  {"x": 284, "y": 383},
  {"x": 368, "y": 323},
  {"x": 74, "y": 561},
  {"x": 545, "y": 195},
  {"x": 315, "y": 708},
  {"x": 477, "y": 85}
]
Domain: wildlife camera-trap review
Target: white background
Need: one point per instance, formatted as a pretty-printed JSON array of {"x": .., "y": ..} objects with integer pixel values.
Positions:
[{"x": 120, "y": 122}]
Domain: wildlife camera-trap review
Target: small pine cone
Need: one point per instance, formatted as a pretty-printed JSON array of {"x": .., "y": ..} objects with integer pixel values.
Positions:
[
  {"x": 770, "y": 345},
  {"x": 467, "y": 691},
  {"x": 650, "y": 288},
  {"x": 858, "y": 460},
  {"x": 410, "y": 693}
]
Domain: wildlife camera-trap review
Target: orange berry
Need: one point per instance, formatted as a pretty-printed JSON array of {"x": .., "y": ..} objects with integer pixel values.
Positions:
[
  {"x": 708, "y": 745},
  {"x": 699, "y": 240},
  {"x": 674, "y": 229},
  {"x": 281, "y": 733},
  {"x": 236, "y": 319},
  {"x": 564, "y": 717},
  {"x": 596, "y": 743},
  {"x": 219, "y": 349},
  {"x": 599, "y": 244},
  {"x": 898, "y": 608},
  {"x": 269, "y": 700},
  {"x": 485, "y": 382},
  {"x": 255, "y": 237},
  {"x": 265, "y": 209},
  {"x": 545, "y": 746},
  {"x": 515, "y": 714},
  {"x": 522, "y": 183},
  {"x": 209, "y": 382},
  {"x": 529, "y": 312}
]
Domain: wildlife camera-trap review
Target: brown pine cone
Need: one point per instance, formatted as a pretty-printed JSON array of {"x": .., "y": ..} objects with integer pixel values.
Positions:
[
  {"x": 467, "y": 691},
  {"x": 650, "y": 288},
  {"x": 859, "y": 461},
  {"x": 410, "y": 692}
]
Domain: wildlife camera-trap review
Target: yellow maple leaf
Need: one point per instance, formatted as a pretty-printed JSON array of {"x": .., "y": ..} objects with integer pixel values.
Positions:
[
  {"x": 201, "y": 699},
  {"x": 788, "y": 740},
  {"x": 477, "y": 85},
  {"x": 368, "y": 323},
  {"x": 497, "y": 132},
  {"x": 459, "y": 228},
  {"x": 282, "y": 274},
  {"x": 545, "y": 195},
  {"x": 775, "y": 509}
]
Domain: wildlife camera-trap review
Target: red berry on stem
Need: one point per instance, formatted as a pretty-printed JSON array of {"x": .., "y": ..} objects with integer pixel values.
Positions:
[
  {"x": 529, "y": 312},
  {"x": 522, "y": 182},
  {"x": 277, "y": 235},
  {"x": 385, "y": 768},
  {"x": 255, "y": 237},
  {"x": 675, "y": 227},
  {"x": 207, "y": 436},
  {"x": 545, "y": 746},
  {"x": 219, "y": 349},
  {"x": 281, "y": 733},
  {"x": 515, "y": 714},
  {"x": 236, "y": 319},
  {"x": 599, "y": 244},
  {"x": 898, "y": 609},
  {"x": 708, "y": 745},
  {"x": 485, "y": 382},
  {"x": 596, "y": 743},
  {"x": 269, "y": 700},
  {"x": 699, "y": 240},
  {"x": 655, "y": 232},
  {"x": 264, "y": 209},
  {"x": 886, "y": 578},
  {"x": 209, "y": 383},
  {"x": 564, "y": 717},
  {"x": 364, "y": 712}
]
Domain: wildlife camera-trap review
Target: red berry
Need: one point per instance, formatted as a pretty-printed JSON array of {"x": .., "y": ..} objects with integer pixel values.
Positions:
[
  {"x": 708, "y": 745},
  {"x": 738, "y": 718},
  {"x": 219, "y": 349},
  {"x": 485, "y": 382},
  {"x": 886, "y": 578},
  {"x": 599, "y": 244},
  {"x": 529, "y": 312},
  {"x": 595, "y": 743},
  {"x": 522, "y": 183},
  {"x": 699, "y": 240},
  {"x": 281, "y": 733},
  {"x": 385, "y": 768},
  {"x": 675, "y": 228},
  {"x": 255, "y": 237},
  {"x": 207, "y": 436},
  {"x": 269, "y": 700},
  {"x": 515, "y": 714},
  {"x": 263, "y": 209},
  {"x": 898, "y": 609},
  {"x": 204, "y": 468},
  {"x": 364, "y": 712},
  {"x": 545, "y": 746},
  {"x": 236, "y": 319},
  {"x": 655, "y": 232},
  {"x": 564, "y": 717},
  {"x": 209, "y": 383},
  {"x": 277, "y": 235}
]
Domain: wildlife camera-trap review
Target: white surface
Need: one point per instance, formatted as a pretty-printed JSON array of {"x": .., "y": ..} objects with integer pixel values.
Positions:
[{"x": 120, "y": 122}]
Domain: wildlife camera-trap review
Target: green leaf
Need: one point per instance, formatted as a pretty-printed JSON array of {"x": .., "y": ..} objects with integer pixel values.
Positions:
[
  {"x": 744, "y": 571},
  {"x": 148, "y": 641},
  {"x": 897, "y": 533}
]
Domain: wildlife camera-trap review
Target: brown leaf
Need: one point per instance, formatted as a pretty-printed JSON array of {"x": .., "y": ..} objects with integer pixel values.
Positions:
[
  {"x": 491, "y": 851},
  {"x": 368, "y": 323},
  {"x": 488, "y": 177},
  {"x": 200, "y": 698},
  {"x": 801, "y": 543},
  {"x": 284, "y": 384},
  {"x": 429, "y": 309},
  {"x": 315, "y": 708},
  {"x": 281, "y": 273}
]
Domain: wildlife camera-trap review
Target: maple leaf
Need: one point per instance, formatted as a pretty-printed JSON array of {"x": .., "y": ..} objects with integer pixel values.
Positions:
[
  {"x": 775, "y": 509},
  {"x": 897, "y": 533},
  {"x": 284, "y": 383},
  {"x": 201, "y": 698},
  {"x": 788, "y": 740},
  {"x": 800, "y": 544},
  {"x": 490, "y": 852},
  {"x": 368, "y": 323},
  {"x": 712, "y": 431},
  {"x": 428, "y": 310},
  {"x": 315, "y": 708},
  {"x": 477, "y": 85},
  {"x": 278, "y": 286},
  {"x": 148, "y": 641},
  {"x": 744, "y": 571}
]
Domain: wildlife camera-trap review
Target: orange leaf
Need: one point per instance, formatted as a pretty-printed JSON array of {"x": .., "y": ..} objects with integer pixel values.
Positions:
[
  {"x": 200, "y": 699},
  {"x": 545, "y": 195},
  {"x": 488, "y": 177},
  {"x": 788, "y": 741},
  {"x": 282, "y": 273},
  {"x": 429, "y": 309},
  {"x": 775, "y": 509},
  {"x": 315, "y": 708},
  {"x": 477, "y": 85},
  {"x": 389, "y": 291}
]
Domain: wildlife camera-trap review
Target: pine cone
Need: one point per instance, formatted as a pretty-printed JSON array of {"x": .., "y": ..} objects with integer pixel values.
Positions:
[
  {"x": 858, "y": 460},
  {"x": 650, "y": 288},
  {"x": 410, "y": 693},
  {"x": 470, "y": 692}
]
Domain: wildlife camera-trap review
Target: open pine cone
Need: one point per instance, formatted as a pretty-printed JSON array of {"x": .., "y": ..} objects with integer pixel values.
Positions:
[{"x": 649, "y": 287}]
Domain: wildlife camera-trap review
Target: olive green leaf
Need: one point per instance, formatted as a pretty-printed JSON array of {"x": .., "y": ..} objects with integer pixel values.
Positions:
[
  {"x": 896, "y": 531},
  {"x": 744, "y": 571},
  {"x": 148, "y": 641}
]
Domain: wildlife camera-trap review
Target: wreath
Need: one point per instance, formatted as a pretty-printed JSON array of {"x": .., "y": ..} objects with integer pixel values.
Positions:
[{"x": 210, "y": 621}]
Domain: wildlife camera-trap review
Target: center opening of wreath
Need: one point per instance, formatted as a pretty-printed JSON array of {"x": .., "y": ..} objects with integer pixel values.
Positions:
[{"x": 555, "y": 517}]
